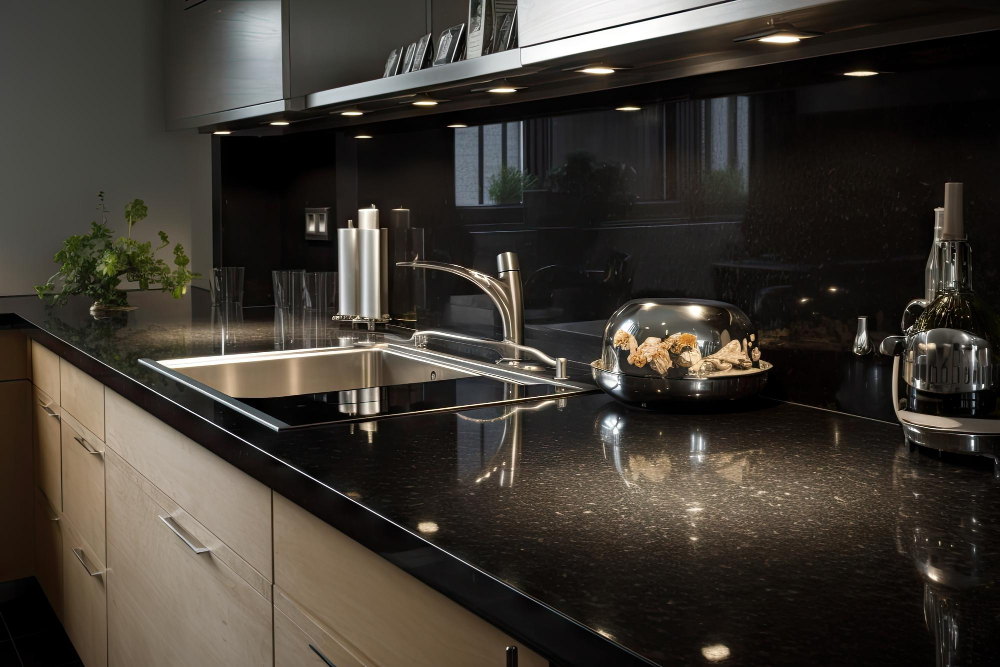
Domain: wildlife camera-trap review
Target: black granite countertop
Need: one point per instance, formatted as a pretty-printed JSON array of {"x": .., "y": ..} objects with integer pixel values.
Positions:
[{"x": 761, "y": 533}]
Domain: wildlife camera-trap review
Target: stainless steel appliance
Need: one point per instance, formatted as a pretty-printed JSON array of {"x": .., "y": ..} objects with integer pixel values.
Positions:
[
  {"x": 657, "y": 351},
  {"x": 946, "y": 371}
]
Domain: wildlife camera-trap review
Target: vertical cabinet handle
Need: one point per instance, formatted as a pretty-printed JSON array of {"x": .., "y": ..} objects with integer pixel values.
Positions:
[
  {"x": 80, "y": 556},
  {"x": 511, "y": 656},
  {"x": 49, "y": 411},
  {"x": 321, "y": 656},
  {"x": 192, "y": 543},
  {"x": 86, "y": 445}
]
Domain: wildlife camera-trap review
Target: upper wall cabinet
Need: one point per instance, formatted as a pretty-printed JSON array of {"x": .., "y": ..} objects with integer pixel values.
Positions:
[
  {"x": 554, "y": 19},
  {"x": 224, "y": 57},
  {"x": 335, "y": 43}
]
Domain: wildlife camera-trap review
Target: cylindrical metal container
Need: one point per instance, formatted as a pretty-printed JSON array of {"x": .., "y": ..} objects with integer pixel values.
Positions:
[{"x": 347, "y": 270}]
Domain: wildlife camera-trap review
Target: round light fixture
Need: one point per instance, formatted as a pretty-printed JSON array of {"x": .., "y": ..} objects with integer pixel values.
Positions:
[
  {"x": 222, "y": 132},
  {"x": 279, "y": 122},
  {"x": 780, "y": 33},
  {"x": 861, "y": 73},
  {"x": 353, "y": 111},
  {"x": 456, "y": 126},
  {"x": 503, "y": 90},
  {"x": 597, "y": 70},
  {"x": 362, "y": 136},
  {"x": 424, "y": 101},
  {"x": 780, "y": 39},
  {"x": 628, "y": 107}
]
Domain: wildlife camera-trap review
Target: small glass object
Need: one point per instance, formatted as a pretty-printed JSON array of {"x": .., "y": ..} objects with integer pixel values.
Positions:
[{"x": 227, "y": 285}]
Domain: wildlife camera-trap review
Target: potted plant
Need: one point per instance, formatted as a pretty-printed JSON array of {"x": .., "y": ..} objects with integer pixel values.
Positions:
[
  {"x": 508, "y": 185},
  {"x": 94, "y": 264}
]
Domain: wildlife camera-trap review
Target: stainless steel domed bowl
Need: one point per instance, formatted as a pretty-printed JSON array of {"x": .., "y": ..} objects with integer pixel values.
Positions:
[{"x": 658, "y": 351}]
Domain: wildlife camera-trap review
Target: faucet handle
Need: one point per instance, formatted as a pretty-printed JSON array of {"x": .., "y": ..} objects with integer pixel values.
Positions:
[{"x": 507, "y": 261}]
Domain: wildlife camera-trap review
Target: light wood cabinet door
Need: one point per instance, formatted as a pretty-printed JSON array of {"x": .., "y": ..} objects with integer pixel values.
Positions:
[
  {"x": 45, "y": 369},
  {"x": 227, "y": 501},
  {"x": 299, "y": 639},
  {"x": 16, "y": 489},
  {"x": 167, "y": 604},
  {"x": 48, "y": 551},
  {"x": 377, "y": 612},
  {"x": 47, "y": 447},
  {"x": 85, "y": 598},
  {"x": 82, "y": 396},
  {"x": 83, "y": 482}
]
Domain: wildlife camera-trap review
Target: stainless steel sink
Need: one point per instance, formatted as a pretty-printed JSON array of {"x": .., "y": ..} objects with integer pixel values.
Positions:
[{"x": 263, "y": 384}]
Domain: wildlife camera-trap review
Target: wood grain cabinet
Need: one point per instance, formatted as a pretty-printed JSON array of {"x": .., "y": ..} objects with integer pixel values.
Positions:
[
  {"x": 47, "y": 447},
  {"x": 82, "y": 396},
  {"x": 45, "y": 370},
  {"x": 48, "y": 551},
  {"x": 300, "y": 640},
  {"x": 83, "y": 482},
  {"x": 85, "y": 597},
  {"x": 378, "y": 613},
  {"x": 174, "y": 597}
]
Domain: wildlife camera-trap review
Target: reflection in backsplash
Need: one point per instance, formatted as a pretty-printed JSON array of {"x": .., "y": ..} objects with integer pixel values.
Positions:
[{"x": 801, "y": 196}]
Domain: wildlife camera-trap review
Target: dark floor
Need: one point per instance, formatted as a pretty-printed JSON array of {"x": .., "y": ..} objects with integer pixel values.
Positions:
[{"x": 30, "y": 633}]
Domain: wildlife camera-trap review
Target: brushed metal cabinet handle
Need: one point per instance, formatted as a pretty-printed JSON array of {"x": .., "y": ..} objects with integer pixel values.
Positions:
[
  {"x": 192, "y": 543},
  {"x": 86, "y": 445},
  {"x": 86, "y": 565},
  {"x": 49, "y": 411},
  {"x": 321, "y": 656},
  {"x": 511, "y": 656}
]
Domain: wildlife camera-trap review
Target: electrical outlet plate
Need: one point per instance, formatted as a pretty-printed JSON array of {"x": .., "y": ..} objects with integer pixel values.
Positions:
[{"x": 318, "y": 224}]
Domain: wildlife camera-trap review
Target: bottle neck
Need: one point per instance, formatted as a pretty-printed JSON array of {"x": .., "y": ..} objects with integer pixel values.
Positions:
[{"x": 954, "y": 266}]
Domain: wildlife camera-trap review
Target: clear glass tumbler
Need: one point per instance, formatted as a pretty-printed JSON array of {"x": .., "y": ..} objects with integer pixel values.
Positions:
[{"x": 227, "y": 285}]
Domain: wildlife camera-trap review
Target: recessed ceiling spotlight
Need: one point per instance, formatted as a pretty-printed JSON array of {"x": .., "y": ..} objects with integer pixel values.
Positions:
[
  {"x": 503, "y": 90},
  {"x": 456, "y": 126},
  {"x": 501, "y": 87},
  {"x": 781, "y": 33},
  {"x": 362, "y": 136},
  {"x": 628, "y": 107},
  {"x": 353, "y": 111},
  {"x": 861, "y": 73},
  {"x": 597, "y": 69},
  {"x": 279, "y": 122},
  {"x": 222, "y": 132},
  {"x": 424, "y": 101}
]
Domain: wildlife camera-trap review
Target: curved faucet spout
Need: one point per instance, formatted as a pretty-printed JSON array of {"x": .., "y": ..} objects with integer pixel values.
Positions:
[{"x": 505, "y": 294}]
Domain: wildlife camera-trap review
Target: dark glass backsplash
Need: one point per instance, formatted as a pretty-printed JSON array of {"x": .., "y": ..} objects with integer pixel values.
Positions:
[{"x": 803, "y": 196}]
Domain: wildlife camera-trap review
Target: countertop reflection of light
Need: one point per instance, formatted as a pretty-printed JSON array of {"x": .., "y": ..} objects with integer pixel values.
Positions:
[
  {"x": 628, "y": 107},
  {"x": 831, "y": 289},
  {"x": 861, "y": 73},
  {"x": 805, "y": 299},
  {"x": 427, "y": 527},
  {"x": 715, "y": 652}
]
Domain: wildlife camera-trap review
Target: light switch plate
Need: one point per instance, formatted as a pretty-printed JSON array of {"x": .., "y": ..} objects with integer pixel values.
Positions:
[{"x": 318, "y": 224}]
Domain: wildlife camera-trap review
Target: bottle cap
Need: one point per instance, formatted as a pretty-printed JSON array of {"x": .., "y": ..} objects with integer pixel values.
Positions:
[{"x": 953, "y": 228}]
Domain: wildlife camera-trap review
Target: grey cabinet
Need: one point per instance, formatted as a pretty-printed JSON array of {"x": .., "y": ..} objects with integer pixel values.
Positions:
[
  {"x": 335, "y": 43},
  {"x": 543, "y": 21},
  {"x": 222, "y": 55}
]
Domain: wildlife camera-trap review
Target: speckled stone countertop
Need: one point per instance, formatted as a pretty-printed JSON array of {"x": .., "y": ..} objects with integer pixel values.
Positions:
[{"x": 757, "y": 534}]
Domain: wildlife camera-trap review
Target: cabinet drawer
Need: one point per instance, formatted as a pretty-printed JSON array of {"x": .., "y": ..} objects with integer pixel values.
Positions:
[
  {"x": 47, "y": 447},
  {"x": 45, "y": 369},
  {"x": 85, "y": 598},
  {"x": 229, "y": 503},
  {"x": 384, "y": 616},
  {"x": 168, "y": 604},
  {"x": 303, "y": 643},
  {"x": 82, "y": 396},
  {"x": 83, "y": 482},
  {"x": 48, "y": 551}
]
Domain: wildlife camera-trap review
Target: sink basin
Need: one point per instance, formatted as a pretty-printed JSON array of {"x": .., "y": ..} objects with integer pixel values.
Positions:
[
  {"x": 274, "y": 374},
  {"x": 301, "y": 388}
]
